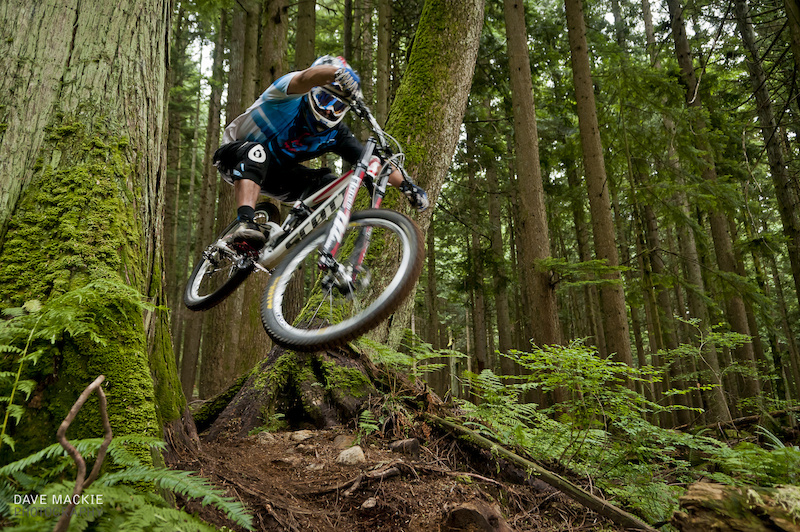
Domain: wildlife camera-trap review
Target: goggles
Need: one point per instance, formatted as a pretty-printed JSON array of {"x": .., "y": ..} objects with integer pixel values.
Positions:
[{"x": 327, "y": 104}]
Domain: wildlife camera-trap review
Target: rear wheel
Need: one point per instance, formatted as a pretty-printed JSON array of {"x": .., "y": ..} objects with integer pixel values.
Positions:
[
  {"x": 343, "y": 302},
  {"x": 222, "y": 267}
]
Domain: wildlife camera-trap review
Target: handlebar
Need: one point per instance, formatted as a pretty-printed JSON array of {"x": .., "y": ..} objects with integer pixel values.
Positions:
[{"x": 389, "y": 148}]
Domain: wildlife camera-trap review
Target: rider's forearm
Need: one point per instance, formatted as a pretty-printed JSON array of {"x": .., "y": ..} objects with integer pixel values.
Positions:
[{"x": 307, "y": 79}]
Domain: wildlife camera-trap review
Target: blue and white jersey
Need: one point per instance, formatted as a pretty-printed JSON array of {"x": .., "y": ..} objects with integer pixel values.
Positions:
[{"x": 278, "y": 121}]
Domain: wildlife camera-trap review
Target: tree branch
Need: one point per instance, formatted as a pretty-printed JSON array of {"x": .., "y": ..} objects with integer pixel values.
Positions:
[
  {"x": 588, "y": 500},
  {"x": 81, "y": 483}
]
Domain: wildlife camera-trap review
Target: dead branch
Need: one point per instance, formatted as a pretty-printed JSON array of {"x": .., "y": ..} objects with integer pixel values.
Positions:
[
  {"x": 588, "y": 500},
  {"x": 388, "y": 471},
  {"x": 81, "y": 483}
]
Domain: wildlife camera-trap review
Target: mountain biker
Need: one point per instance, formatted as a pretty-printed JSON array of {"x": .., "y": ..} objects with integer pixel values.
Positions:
[{"x": 294, "y": 120}]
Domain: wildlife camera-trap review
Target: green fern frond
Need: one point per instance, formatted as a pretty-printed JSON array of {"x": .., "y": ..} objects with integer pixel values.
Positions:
[{"x": 184, "y": 483}]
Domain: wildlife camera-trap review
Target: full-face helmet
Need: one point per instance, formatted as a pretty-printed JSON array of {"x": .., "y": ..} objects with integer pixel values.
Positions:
[{"x": 327, "y": 107}]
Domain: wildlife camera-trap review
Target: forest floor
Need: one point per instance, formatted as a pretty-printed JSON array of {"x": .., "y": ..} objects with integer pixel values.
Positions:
[{"x": 431, "y": 482}]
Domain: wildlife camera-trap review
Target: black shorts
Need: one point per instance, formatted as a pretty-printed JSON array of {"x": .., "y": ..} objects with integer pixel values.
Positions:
[{"x": 250, "y": 160}]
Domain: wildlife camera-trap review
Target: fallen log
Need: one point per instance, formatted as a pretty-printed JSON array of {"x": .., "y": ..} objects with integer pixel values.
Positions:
[
  {"x": 585, "y": 498},
  {"x": 722, "y": 508}
]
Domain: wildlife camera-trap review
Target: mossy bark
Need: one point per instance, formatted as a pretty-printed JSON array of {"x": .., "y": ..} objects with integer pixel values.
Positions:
[
  {"x": 429, "y": 106},
  {"x": 81, "y": 182},
  {"x": 299, "y": 390}
]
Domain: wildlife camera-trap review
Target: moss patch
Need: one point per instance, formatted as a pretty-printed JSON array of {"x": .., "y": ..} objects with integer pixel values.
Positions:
[{"x": 77, "y": 225}]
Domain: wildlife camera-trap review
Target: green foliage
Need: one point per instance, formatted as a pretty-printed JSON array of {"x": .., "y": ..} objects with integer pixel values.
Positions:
[
  {"x": 25, "y": 386},
  {"x": 602, "y": 431},
  {"x": 123, "y": 495},
  {"x": 416, "y": 359},
  {"x": 367, "y": 424},
  {"x": 576, "y": 274}
]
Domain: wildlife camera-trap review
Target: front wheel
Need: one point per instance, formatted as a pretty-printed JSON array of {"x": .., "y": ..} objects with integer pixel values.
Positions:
[{"x": 307, "y": 309}]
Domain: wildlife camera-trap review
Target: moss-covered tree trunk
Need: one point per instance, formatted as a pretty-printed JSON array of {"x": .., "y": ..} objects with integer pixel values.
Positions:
[
  {"x": 294, "y": 390},
  {"x": 429, "y": 106},
  {"x": 82, "y": 103}
]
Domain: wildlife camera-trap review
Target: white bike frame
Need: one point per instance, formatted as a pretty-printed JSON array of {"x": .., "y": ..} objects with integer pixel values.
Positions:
[{"x": 338, "y": 197}]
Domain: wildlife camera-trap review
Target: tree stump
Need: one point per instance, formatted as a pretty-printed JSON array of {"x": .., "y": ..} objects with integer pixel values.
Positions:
[
  {"x": 299, "y": 390},
  {"x": 718, "y": 507}
]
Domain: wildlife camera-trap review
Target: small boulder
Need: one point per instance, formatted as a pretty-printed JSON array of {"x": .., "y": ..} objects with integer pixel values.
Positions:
[
  {"x": 474, "y": 515},
  {"x": 369, "y": 504},
  {"x": 351, "y": 457},
  {"x": 302, "y": 435},
  {"x": 265, "y": 438},
  {"x": 408, "y": 446},
  {"x": 343, "y": 441}
]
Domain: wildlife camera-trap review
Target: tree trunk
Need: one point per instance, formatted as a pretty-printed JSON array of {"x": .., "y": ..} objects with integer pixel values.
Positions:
[
  {"x": 226, "y": 354},
  {"x": 206, "y": 206},
  {"x": 306, "y": 33},
  {"x": 383, "y": 60},
  {"x": 427, "y": 111},
  {"x": 475, "y": 278},
  {"x": 297, "y": 390},
  {"x": 175, "y": 111},
  {"x": 499, "y": 266},
  {"x": 615, "y": 316},
  {"x": 723, "y": 244},
  {"x": 716, "y": 407},
  {"x": 274, "y": 38},
  {"x": 786, "y": 190},
  {"x": 707, "y": 506},
  {"x": 85, "y": 117},
  {"x": 793, "y": 18},
  {"x": 532, "y": 223}
]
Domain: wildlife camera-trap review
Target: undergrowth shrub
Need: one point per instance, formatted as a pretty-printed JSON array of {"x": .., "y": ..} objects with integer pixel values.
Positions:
[
  {"x": 135, "y": 494},
  {"x": 603, "y": 431}
]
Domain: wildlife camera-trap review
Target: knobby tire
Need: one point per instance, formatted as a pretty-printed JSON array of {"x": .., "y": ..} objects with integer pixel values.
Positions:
[{"x": 321, "y": 330}]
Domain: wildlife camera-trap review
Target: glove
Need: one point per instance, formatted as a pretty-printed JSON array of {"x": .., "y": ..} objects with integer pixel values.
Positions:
[
  {"x": 416, "y": 195},
  {"x": 348, "y": 80}
]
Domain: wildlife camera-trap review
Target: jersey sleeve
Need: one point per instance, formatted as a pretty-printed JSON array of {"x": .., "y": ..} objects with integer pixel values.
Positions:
[
  {"x": 348, "y": 147},
  {"x": 277, "y": 91}
]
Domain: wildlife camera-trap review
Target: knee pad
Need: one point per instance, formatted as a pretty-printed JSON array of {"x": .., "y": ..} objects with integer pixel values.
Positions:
[{"x": 242, "y": 160}]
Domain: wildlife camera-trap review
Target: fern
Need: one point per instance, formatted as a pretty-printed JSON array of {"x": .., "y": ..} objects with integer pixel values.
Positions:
[
  {"x": 367, "y": 424},
  {"x": 124, "y": 507},
  {"x": 416, "y": 361}
]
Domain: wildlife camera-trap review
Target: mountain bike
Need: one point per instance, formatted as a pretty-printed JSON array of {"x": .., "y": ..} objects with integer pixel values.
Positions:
[{"x": 330, "y": 281}]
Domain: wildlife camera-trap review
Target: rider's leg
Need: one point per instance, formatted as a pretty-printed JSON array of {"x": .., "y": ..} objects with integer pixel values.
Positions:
[
  {"x": 246, "y": 194},
  {"x": 247, "y": 174}
]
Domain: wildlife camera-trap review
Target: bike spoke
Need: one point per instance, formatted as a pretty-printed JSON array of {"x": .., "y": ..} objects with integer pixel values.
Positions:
[{"x": 347, "y": 296}]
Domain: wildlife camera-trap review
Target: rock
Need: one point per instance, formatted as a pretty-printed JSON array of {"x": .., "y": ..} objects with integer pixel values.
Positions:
[
  {"x": 474, "y": 515},
  {"x": 306, "y": 449},
  {"x": 316, "y": 466},
  {"x": 369, "y": 504},
  {"x": 343, "y": 441},
  {"x": 408, "y": 446},
  {"x": 291, "y": 461},
  {"x": 351, "y": 457},
  {"x": 302, "y": 435},
  {"x": 265, "y": 438}
]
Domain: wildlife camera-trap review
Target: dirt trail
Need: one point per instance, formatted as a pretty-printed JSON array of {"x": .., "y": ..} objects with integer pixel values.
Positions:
[{"x": 292, "y": 481}]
